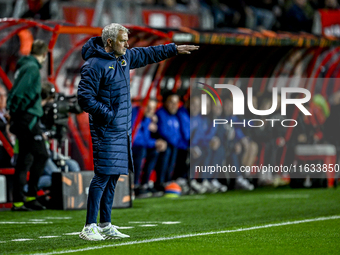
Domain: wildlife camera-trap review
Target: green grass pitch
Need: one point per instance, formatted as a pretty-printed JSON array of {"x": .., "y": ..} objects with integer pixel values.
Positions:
[{"x": 265, "y": 221}]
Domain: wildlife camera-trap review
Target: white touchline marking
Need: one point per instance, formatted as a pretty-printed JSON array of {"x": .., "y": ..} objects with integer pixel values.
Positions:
[
  {"x": 288, "y": 196},
  {"x": 21, "y": 240},
  {"x": 141, "y": 222},
  {"x": 29, "y": 222},
  {"x": 73, "y": 233},
  {"x": 194, "y": 235},
  {"x": 125, "y": 227},
  {"x": 148, "y": 225},
  {"x": 153, "y": 222},
  {"x": 48, "y": 236},
  {"x": 2, "y": 241},
  {"x": 170, "y": 222},
  {"x": 36, "y": 219},
  {"x": 58, "y": 218}
]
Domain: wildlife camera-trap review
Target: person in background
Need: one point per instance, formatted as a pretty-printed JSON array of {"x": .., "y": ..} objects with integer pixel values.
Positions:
[
  {"x": 239, "y": 141},
  {"x": 227, "y": 13},
  {"x": 24, "y": 104},
  {"x": 332, "y": 123},
  {"x": 168, "y": 130},
  {"x": 217, "y": 150},
  {"x": 145, "y": 146},
  {"x": 45, "y": 180},
  {"x": 331, "y": 5},
  {"x": 197, "y": 143},
  {"x": 299, "y": 17},
  {"x": 5, "y": 159},
  {"x": 42, "y": 9},
  {"x": 183, "y": 115},
  {"x": 264, "y": 13},
  {"x": 210, "y": 142},
  {"x": 181, "y": 171}
]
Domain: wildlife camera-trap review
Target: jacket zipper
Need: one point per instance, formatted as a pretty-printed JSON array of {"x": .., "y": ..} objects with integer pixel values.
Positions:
[{"x": 127, "y": 115}]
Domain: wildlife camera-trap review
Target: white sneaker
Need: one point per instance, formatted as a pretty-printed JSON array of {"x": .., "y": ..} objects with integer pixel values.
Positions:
[
  {"x": 242, "y": 183},
  {"x": 91, "y": 233},
  {"x": 197, "y": 187},
  {"x": 111, "y": 232},
  {"x": 183, "y": 183},
  {"x": 210, "y": 188},
  {"x": 219, "y": 186}
]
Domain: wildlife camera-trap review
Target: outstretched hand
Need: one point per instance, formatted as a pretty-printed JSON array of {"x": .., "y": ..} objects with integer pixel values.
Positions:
[{"x": 186, "y": 49}]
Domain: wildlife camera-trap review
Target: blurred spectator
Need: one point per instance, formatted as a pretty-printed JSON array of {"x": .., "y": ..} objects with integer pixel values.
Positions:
[
  {"x": 264, "y": 13},
  {"x": 270, "y": 138},
  {"x": 24, "y": 103},
  {"x": 314, "y": 123},
  {"x": 206, "y": 144},
  {"x": 227, "y": 13},
  {"x": 5, "y": 159},
  {"x": 331, "y": 4},
  {"x": 317, "y": 4},
  {"x": 332, "y": 124},
  {"x": 168, "y": 130},
  {"x": 240, "y": 140},
  {"x": 177, "y": 5},
  {"x": 145, "y": 146},
  {"x": 182, "y": 166},
  {"x": 56, "y": 162},
  {"x": 188, "y": 5},
  {"x": 299, "y": 17},
  {"x": 41, "y": 9},
  {"x": 217, "y": 149},
  {"x": 3, "y": 112},
  {"x": 299, "y": 135},
  {"x": 148, "y": 3},
  {"x": 66, "y": 165},
  {"x": 213, "y": 151},
  {"x": 197, "y": 134}
]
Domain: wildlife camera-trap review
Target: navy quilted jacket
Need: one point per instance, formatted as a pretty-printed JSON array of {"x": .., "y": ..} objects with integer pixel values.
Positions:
[{"x": 104, "y": 92}]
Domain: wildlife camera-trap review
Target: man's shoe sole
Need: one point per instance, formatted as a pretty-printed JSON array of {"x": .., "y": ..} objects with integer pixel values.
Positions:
[
  {"x": 84, "y": 237},
  {"x": 113, "y": 237}
]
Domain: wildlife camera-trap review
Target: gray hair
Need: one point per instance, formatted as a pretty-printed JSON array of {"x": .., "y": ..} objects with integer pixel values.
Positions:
[{"x": 111, "y": 32}]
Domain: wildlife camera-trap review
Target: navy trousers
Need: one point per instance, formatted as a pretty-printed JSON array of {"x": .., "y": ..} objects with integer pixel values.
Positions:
[{"x": 101, "y": 193}]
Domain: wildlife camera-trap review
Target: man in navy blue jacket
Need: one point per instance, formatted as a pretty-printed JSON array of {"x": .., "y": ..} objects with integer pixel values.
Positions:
[{"x": 104, "y": 92}]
